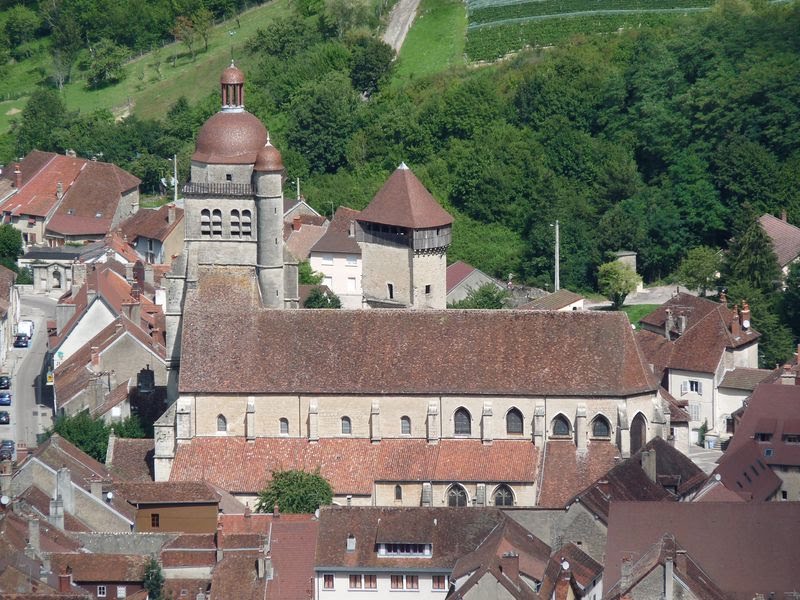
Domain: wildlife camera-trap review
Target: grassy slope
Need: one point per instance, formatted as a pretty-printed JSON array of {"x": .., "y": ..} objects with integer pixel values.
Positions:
[
  {"x": 435, "y": 41},
  {"x": 637, "y": 311},
  {"x": 153, "y": 96}
]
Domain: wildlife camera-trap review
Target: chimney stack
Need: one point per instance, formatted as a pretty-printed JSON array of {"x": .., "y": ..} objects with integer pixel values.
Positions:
[
  {"x": 17, "y": 176},
  {"x": 95, "y": 356},
  {"x": 723, "y": 298},
  {"x": 625, "y": 572},
  {"x": 96, "y": 486},
  {"x": 509, "y": 566},
  {"x": 171, "y": 214},
  {"x": 745, "y": 315},
  {"x": 276, "y": 513},
  {"x": 129, "y": 273},
  {"x": 784, "y": 217},
  {"x": 668, "y": 324},
  {"x": 649, "y": 464},
  {"x": 59, "y": 190},
  {"x": 33, "y": 535},
  {"x": 736, "y": 325},
  {"x": 297, "y": 223},
  {"x": 65, "y": 581}
]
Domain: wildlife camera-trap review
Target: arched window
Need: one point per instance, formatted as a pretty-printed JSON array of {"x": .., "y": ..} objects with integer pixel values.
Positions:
[
  {"x": 601, "y": 427},
  {"x": 347, "y": 427},
  {"x": 514, "y": 422},
  {"x": 236, "y": 228},
  {"x": 247, "y": 223},
  {"x": 216, "y": 222},
  {"x": 503, "y": 496},
  {"x": 284, "y": 426},
  {"x": 456, "y": 496},
  {"x": 222, "y": 423},
  {"x": 561, "y": 425},
  {"x": 398, "y": 492},
  {"x": 463, "y": 422},
  {"x": 205, "y": 222},
  {"x": 405, "y": 425}
]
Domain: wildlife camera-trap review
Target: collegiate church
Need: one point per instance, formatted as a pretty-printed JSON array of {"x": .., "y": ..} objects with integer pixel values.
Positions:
[{"x": 405, "y": 404}]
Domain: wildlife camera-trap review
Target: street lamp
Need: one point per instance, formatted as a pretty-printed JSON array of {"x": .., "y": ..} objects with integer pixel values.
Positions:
[{"x": 557, "y": 282}]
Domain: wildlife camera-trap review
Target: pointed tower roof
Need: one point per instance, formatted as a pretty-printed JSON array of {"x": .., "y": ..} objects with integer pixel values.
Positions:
[{"x": 404, "y": 202}]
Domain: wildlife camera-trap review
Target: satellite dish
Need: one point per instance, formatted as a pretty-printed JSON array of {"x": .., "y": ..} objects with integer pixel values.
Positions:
[
  {"x": 4, "y": 500},
  {"x": 746, "y": 323},
  {"x": 565, "y": 565},
  {"x": 109, "y": 496}
]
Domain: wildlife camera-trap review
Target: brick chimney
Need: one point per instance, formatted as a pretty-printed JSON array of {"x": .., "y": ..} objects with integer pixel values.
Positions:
[
  {"x": 17, "y": 176},
  {"x": 736, "y": 325},
  {"x": 745, "y": 315},
  {"x": 509, "y": 566},
  {"x": 296, "y": 223},
  {"x": 276, "y": 513},
  {"x": 723, "y": 298},
  {"x": 171, "y": 214},
  {"x": 65, "y": 581}
]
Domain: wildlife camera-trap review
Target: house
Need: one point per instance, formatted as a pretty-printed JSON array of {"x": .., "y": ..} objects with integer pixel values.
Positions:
[
  {"x": 104, "y": 575},
  {"x": 9, "y": 309},
  {"x": 55, "y": 199},
  {"x": 155, "y": 234},
  {"x": 762, "y": 461},
  {"x": 785, "y": 239},
  {"x": 298, "y": 206},
  {"x": 560, "y": 300},
  {"x": 462, "y": 279},
  {"x": 693, "y": 343},
  {"x": 187, "y": 507},
  {"x": 572, "y": 573},
  {"x": 337, "y": 256},
  {"x": 732, "y": 550},
  {"x": 303, "y": 233}
]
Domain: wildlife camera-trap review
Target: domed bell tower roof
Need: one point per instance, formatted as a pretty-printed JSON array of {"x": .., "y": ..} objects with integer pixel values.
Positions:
[
  {"x": 232, "y": 135},
  {"x": 268, "y": 159}
]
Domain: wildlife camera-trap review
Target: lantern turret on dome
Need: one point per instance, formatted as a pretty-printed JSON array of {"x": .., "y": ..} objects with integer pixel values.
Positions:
[{"x": 232, "y": 84}]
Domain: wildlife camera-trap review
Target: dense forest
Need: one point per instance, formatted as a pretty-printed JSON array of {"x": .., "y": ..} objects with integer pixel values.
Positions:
[{"x": 658, "y": 140}]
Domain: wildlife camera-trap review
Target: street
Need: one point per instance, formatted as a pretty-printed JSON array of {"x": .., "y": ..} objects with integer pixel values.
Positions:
[{"x": 28, "y": 415}]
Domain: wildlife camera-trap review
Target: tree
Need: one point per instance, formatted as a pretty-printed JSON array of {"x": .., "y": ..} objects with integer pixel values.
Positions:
[
  {"x": 790, "y": 300},
  {"x": 153, "y": 579},
  {"x": 106, "y": 63},
  {"x": 616, "y": 280},
  {"x": 91, "y": 435},
  {"x": 295, "y": 492},
  {"x": 184, "y": 31},
  {"x": 10, "y": 243},
  {"x": 370, "y": 63},
  {"x": 486, "y": 296},
  {"x": 341, "y": 16},
  {"x": 21, "y": 24},
  {"x": 700, "y": 268},
  {"x": 307, "y": 275},
  {"x": 203, "y": 21},
  {"x": 44, "y": 113},
  {"x": 752, "y": 260},
  {"x": 319, "y": 299}
]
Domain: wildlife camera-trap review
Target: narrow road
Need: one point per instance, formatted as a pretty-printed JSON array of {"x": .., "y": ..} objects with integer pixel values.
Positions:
[
  {"x": 29, "y": 412},
  {"x": 400, "y": 20}
]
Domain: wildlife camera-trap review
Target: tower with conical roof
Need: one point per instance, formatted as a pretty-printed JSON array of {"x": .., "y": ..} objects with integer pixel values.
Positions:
[{"x": 404, "y": 235}]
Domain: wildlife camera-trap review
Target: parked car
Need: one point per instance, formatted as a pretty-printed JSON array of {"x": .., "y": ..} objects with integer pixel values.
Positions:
[
  {"x": 21, "y": 341},
  {"x": 5, "y": 382},
  {"x": 7, "y": 444},
  {"x": 5, "y": 419},
  {"x": 6, "y": 454},
  {"x": 5, "y": 399}
]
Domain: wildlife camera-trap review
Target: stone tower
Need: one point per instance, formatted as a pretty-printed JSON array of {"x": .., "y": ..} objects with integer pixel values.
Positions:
[{"x": 404, "y": 235}]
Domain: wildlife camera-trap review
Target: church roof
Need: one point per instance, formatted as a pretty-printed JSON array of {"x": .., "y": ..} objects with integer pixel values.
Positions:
[
  {"x": 404, "y": 202},
  {"x": 400, "y": 352},
  {"x": 230, "y": 137}
]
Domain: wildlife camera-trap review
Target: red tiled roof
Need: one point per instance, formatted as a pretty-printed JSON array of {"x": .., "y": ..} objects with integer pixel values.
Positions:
[
  {"x": 337, "y": 237},
  {"x": 745, "y": 548},
  {"x": 742, "y": 378},
  {"x": 785, "y": 238},
  {"x": 41, "y": 173},
  {"x": 582, "y": 353},
  {"x": 75, "y": 225},
  {"x": 14, "y": 533},
  {"x": 404, "y": 202},
  {"x": 132, "y": 459},
  {"x": 39, "y": 500},
  {"x": 292, "y": 560},
  {"x": 566, "y": 471},
  {"x": 743, "y": 469},
  {"x": 299, "y": 242},
  {"x": 456, "y": 273},
  {"x": 555, "y": 301},
  {"x": 351, "y": 465},
  {"x": 173, "y": 492},
  {"x": 583, "y": 568},
  {"x": 152, "y": 223},
  {"x": 101, "y": 567}
]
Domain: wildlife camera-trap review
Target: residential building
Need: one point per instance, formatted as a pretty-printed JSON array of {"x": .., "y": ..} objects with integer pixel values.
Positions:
[
  {"x": 693, "y": 343},
  {"x": 302, "y": 234},
  {"x": 463, "y": 279},
  {"x": 337, "y": 256},
  {"x": 563, "y": 299},
  {"x": 155, "y": 234},
  {"x": 55, "y": 199},
  {"x": 104, "y": 575},
  {"x": 9, "y": 310},
  {"x": 186, "y": 507},
  {"x": 785, "y": 239}
]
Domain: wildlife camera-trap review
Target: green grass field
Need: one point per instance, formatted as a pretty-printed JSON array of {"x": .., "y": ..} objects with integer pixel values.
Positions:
[
  {"x": 435, "y": 41},
  {"x": 635, "y": 312}
]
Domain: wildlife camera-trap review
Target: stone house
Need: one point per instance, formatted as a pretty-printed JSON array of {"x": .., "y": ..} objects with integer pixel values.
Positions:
[
  {"x": 337, "y": 256},
  {"x": 785, "y": 239},
  {"x": 55, "y": 199},
  {"x": 156, "y": 235},
  {"x": 462, "y": 279},
  {"x": 9, "y": 309},
  {"x": 693, "y": 344}
]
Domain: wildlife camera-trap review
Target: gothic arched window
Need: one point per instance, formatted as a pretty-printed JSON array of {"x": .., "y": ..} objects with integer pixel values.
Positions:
[
  {"x": 503, "y": 496},
  {"x": 514, "y": 422},
  {"x": 561, "y": 425},
  {"x": 463, "y": 422},
  {"x": 284, "y": 426},
  {"x": 347, "y": 426},
  {"x": 222, "y": 423},
  {"x": 456, "y": 496},
  {"x": 398, "y": 492},
  {"x": 405, "y": 425},
  {"x": 600, "y": 427}
]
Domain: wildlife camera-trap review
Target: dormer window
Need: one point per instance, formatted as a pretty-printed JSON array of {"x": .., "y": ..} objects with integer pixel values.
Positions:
[
  {"x": 763, "y": 437},
  {"x": 416, "y": 550},
  {"x": 351, "y": 543}
]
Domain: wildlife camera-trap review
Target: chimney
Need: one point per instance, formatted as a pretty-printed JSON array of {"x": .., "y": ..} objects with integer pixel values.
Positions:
[
  {"x": 17, "y": 176},
  {"x": 723, "y": 298},
  {"x": 170, "y": 214},
  {"x": 745, "y": 315},
  {"x": 59, "y": 190},
  {"x": 64, "y": 490},
  {"x": 668, "y": 324},
  {"x": 33, "y": 535},
  {"x": 218, "y": 542},
  {"x": 275, "y": 512},
  {"x": 649, "y": 464},
  {"x": 149, "y": 276},
  {"x": 78, "y": 276},
  {"x": 736, "y": 325},
  {"x": 625, "y": 572},
  {"x": 129, "y": 272},
  {"x": 56, "y": 516},
  {"x": 296, "y": 223},
  {"x": 351, "y": 543},
  {"x": 509, "y": 566},
  {"x": 680, "y": 561},
  {"x": 133, "y": 310},
  {"x": 96, "y": 486},
  {"x": 65, "y": 581},
  {"x": 95, "y": 356},
  {"x": 784, "y": 217}
]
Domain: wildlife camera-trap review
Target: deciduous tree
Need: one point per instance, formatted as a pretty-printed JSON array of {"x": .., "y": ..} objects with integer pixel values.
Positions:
[
  {"x": 616, "y": 280},
  {"x": 295, "y": 492},
  {"x": 486, "y": 296},
  {"x": 320, "y": 299},
  {"x": 700, "y": 268}
]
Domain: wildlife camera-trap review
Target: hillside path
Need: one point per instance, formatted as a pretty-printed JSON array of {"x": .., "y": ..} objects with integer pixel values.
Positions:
[{"x": 400, "y": 20}]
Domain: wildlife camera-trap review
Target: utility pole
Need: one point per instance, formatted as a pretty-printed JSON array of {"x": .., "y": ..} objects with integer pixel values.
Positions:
[
  {"x": 174, "y": 178},
  {"x": 298, "y": 189},
  {"x": 557, "y": 282}
]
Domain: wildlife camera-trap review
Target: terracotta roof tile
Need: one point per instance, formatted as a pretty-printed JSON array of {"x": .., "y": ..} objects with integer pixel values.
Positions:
[
  {"x": 456, "y": 273},
  {"x": 404, "y": 202},
  {"x": 785, "y": 238},
  {"x": 41, "y": 173},
  {"x": 173, "y": 492},
  {"x": 566, "y": 471},
  {"x": 299, "y": 242},
  {"x": 555, "y": 301},
  {"x": 583, "y": 353},
  {"x": 742, "y": 378},
  {"x": 337, "y": 237},
  {"x": 76, "y": 225},
  {"x": 132, "y": 459},
  {"x": 152, "y": 223},
  {"x": 39, "y": 500},
  {"x": 583, "y": 568},
  {"x": 101, "y": 567},
  {"x": 292, "y": 561}
]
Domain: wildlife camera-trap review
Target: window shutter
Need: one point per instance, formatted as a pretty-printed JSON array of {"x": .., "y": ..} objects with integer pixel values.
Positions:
[
  {"x": 700, "y": 387},
  {"x": 684, "y": 387}
]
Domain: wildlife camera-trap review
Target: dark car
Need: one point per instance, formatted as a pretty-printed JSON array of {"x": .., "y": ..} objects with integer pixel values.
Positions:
[
  {"x": 5, "y": 382},
  {"x": 5, "y": 399},
  {"x": 6, "y": 454},
  {"x": 5, "y": 419},
  {"x": 21, "y": 341}
]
